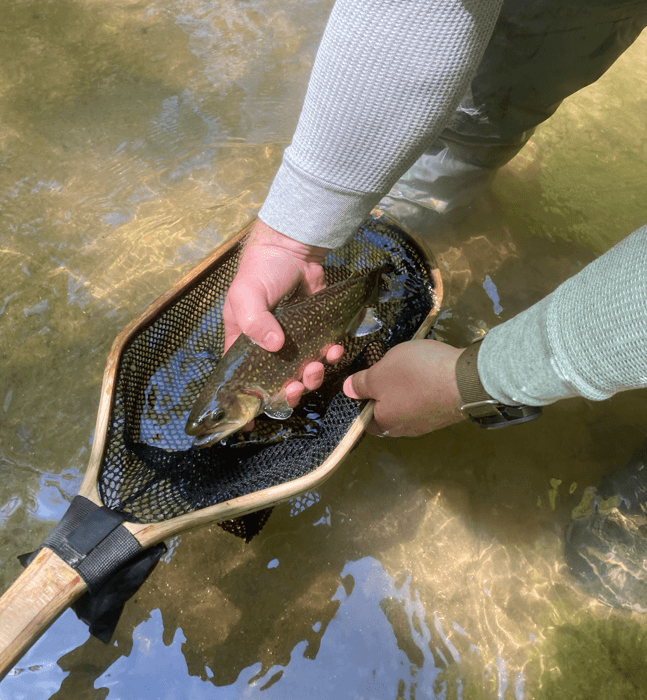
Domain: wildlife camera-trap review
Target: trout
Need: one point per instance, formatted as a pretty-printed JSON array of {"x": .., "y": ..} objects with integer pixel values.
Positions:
[{"x": 250, "y": 380}]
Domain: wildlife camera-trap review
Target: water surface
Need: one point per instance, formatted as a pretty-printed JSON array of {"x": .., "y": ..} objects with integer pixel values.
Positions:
[{"x": 135, "y": 138}]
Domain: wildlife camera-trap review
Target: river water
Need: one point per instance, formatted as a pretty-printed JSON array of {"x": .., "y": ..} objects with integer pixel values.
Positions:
[{"x": 135, "y": 138}]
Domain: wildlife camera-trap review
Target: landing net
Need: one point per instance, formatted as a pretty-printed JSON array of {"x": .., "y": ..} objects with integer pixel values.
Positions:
[{"x": 149, "y": 471}]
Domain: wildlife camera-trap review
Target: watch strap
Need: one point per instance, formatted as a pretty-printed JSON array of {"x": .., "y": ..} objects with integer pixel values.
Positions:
[
  {"x": 472, "y": 392},
  {"x": 477, "y": 404}
]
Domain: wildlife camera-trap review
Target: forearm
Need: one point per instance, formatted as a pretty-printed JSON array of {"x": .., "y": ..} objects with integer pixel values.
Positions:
[
  {"x": 588, "y": 338},
  {"x": 387, "y": 77}
]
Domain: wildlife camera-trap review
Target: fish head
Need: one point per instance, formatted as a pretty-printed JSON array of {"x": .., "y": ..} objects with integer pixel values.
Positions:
[{"x": 225, "y": 414}]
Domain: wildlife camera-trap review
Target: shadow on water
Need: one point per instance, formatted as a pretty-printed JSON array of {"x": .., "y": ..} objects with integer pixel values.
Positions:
[{"x": 256, "y": 603}]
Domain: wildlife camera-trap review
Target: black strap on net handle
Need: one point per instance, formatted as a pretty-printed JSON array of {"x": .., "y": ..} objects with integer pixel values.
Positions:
[{"x": 92, "y": 540}]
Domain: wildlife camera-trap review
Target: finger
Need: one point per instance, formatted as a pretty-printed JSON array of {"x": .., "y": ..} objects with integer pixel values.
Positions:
[
  {"x": 334, "y": 354},
  {"x": 265, "y": 331},
  {"x": 356, "y": 386},
  {"x": 313, "y": 376},
  {"x": 374, "y": 428},
  {"x": 232, "y": 331},
  {"x": 249, "y": 311},
  {"x": 314, "y": 279},
  {"x": 348, "y": 388},
  {"x": 293, "y": 392}
]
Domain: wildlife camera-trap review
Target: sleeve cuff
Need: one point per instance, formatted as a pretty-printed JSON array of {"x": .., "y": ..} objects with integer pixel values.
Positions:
[
  {"x": 587, "y": 338},
  {"x": 515, "y": 362},
  {"x": 312, "y": 211}
]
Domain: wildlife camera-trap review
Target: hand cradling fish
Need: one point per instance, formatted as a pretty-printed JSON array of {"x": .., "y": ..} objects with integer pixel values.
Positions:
[{"x": 250, "y": 380}]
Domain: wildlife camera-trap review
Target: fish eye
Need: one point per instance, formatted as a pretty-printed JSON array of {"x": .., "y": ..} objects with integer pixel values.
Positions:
[{"x": 215, "y": 416}]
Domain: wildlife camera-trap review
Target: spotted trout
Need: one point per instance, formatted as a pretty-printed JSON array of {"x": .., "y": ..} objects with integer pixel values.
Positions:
[{"x": 250, "y": 380}]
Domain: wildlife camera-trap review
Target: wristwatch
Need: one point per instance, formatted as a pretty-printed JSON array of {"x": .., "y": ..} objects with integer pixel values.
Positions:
[{"x": 477, "y": 404}]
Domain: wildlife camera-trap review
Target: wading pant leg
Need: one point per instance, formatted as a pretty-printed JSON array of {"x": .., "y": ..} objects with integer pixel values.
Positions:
[{"x": 541, "y": 52}]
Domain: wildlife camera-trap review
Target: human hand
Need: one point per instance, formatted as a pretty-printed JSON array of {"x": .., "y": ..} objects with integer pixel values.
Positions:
[
  {"x": 271, "y": 266},
  {"x": 414, "y": 387}
]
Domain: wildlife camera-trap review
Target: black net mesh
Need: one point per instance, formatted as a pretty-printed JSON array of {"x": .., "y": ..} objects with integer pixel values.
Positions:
[{"x": 149, "y": 471}]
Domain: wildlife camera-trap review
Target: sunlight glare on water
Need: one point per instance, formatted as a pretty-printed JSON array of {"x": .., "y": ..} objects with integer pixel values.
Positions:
[{"x": 135, "y": 138}]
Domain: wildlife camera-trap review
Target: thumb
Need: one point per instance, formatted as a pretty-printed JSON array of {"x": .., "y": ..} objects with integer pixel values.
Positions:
[
  {"x": 266, "y": 331},
  {"x": 356, "y": 386},
  {"x": 249, "y": 309}
]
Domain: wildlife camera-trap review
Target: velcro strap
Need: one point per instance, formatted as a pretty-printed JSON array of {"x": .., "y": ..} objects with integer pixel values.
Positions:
[
  {"x": 92, "y": 540},
  {"x": 94, "y": 529}
]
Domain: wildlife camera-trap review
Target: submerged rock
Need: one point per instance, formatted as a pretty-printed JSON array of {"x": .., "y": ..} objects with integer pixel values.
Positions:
[{"x": 606, "y": 543}]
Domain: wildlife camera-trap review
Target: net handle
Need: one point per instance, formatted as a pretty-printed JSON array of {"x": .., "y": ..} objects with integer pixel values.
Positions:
[
  {"x": 36, "y": 598},
  {"x": 48, "y": 585}
]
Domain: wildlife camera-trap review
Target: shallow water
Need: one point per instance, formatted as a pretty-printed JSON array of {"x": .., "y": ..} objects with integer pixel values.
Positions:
[{"x": 136, "y": 137}]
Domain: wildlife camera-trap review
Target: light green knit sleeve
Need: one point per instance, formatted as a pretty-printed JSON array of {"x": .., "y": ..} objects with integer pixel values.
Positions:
[
  {"x": 387, "y": 77},
  {"x": 588, "y": 338}
]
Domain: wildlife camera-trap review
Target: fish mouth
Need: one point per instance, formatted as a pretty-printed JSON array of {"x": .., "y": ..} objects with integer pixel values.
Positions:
[
  {"x": 207, "y": 430},
  {"x": 209, "y": 438}
]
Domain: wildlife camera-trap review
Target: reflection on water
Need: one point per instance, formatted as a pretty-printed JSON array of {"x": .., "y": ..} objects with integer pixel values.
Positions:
[
  {"x": 369, "y": 608},
  {"x": 135, "y": 138}
]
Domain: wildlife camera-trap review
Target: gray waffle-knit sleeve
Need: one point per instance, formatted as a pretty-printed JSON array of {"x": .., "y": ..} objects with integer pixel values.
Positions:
[
  {"x": 588, "y": 338},
  {"x": 387, "y": 77}
]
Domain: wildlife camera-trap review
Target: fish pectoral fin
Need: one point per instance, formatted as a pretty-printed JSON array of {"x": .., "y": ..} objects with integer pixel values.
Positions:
[
  {"x": 369, "y": 324},
  {"x": 278, "y": 408}
]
